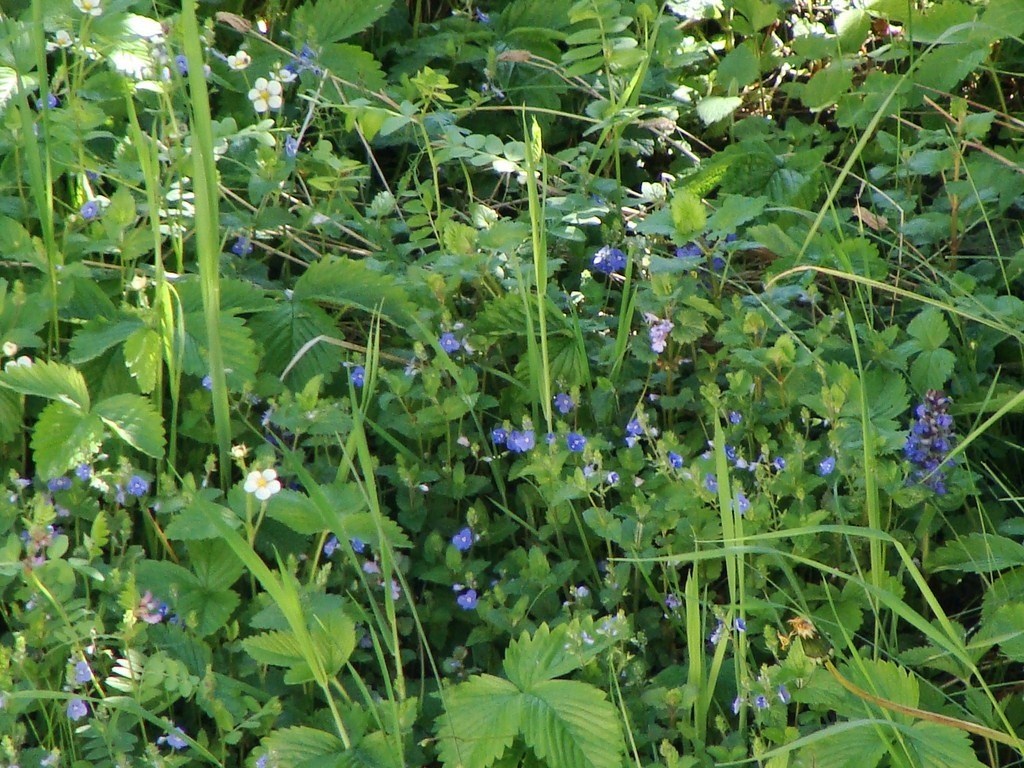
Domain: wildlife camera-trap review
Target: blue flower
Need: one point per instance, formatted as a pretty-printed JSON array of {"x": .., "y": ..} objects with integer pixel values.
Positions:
[
  {"x": 137, "y": 486},
  {"x": 242, "y": 246},
  {"x": 613, "y": 478},
  {"x": 449, "y": 343},
  {"x": 826, "y": 466},
  {"x": 717, "y": 633},
  {"x": 330, "y": 545},
  {"x": 181, "y": 63},
  {"x": 718, "y": 263},
  {"x": 736, "y": 704},
  {"x": 742, "y": 503},
  {"x": 691, "y": 250},
  {"x": 83, "y": 472},
  {"x": 761, "y": 701},
  {"x": 62, "y": 483},
  {"x": 576, "y": 442},
  {"x": 291, "y": 147},
  {"x": 930, "y": 441},
  {"x": 672, "y": 602},
  {"x": 77, "y": 709},
  {"x": 358, "y": 545},
  {"x": 675, "y": 460},
  {"x": 783, "y": 693},
  {"x": 608, "y": 260},
  {"x": 499, "y": 435},
  {"x": 730, "y": 452},
  {"x": 739, "y": 624},
  {"x": 52, "y": 101},
  {"x": 89, "y": 210},
  {"x": 779, "y": 463},
  {"x": 521, "y": 442},
  {"x": 735, "y": 417},
  {"x": 358, "y": 376},
  {"x": 463, "y": 540},
  {"x": 175, "y": 739},
  {"x": 563, "y": 403},
  {"x": 83, "y": 673},
  {"x": 467, "y": 600},
  {"x": 633, "y": 431},
  {"x": 481, "y": 17},
  {"x": 711, "y": 483},
  {"x": 207, "y": 383}
]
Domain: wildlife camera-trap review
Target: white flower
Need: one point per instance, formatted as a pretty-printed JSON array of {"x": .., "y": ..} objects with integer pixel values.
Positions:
[
  {"x": 10, "y": 349},
  {"x": 263, "y": 484},
  {"x": 284, "y": 75},
  {"x": 266, "y": 94},
  {"x": 90, "y": 7},
  {"x": 62, "y": 39},
  {"x": 239, "y": 61}
]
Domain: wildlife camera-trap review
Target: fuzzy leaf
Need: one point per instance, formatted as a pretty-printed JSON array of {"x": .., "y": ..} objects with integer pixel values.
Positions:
[
  {"x": 293, "y": 745},
  {"x": 134, "y": 419},
  {"x": 63, "y": 437},
  {"x": 279, "y": 649},
  {"x": 938, "y": 746},
  {"x": 978, "y": 553},
  {"x": 714, "y": 108},
  {"x": 570, "y": 724},
  {"x": 54, "y": 381},
  {"x": 329, "y": 21},
  {"x": 142, "y": 356},
  {"x": 99, "y": 335},
  {"x": 542, "y": 656},
  {"x": 480, "y": 723},
  {"x": 345, "y": 282},
  {"x": 284, "y": 331}
]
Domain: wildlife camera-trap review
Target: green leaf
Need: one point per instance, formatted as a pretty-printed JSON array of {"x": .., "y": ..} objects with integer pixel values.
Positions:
[
  {"x": 481, "y": 720},
  {"x": 688, "y": 215},
  {"x": 570, "y": 724},
  {"x": 293, "y": 745},
  {"x": 194, "y": 521},
  {"x": 142, "y": 356},
  {"x": 826, "y": 86},
  {"x": 54, "y": 381},
  {"x": 329, "y": 21},
  {"x": 939, "y": 746},
  {"x": 542, "y": 656},
  {"x": 929, "y": 328},
  {"x": 134, "y": 419},
  {"x": 344, "y": 282},
  {"x": 63, "y": 438},
  {"x": 711, "y": 109},
  {"x": 12, "y": 411},
  {"x": 286, "y": 329},
  {"x": 740, "y": 67},
  {"x": 279, "y": 648},
  {"x": 843, "y": 746},
  {"x": 978, "y": 553},
  {"x": 931, "y": 370},
  {"x": 99, "y": 335}
]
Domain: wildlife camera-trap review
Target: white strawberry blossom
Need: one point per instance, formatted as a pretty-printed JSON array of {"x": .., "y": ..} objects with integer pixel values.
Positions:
[
  {"x": 263, "y": 484},
  {"x": 266, "y": 94},
  {"x": 239, "y": 61},
  {"x": 90, "y": 7}
]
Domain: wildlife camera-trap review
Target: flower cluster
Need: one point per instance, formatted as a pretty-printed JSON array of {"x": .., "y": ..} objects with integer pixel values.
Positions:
[{"x": 930, "y": 440}]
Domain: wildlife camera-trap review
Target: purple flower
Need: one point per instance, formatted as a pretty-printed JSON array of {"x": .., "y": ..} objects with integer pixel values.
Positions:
[
  {"x": 658, "y": 333},
  {"x": 783, "y": 693},
  {"x": 735, "y": 417},
  {"x": 608, "y": 260},
  {"x": 137, "y": 486},
  {"x": 52, "y": 101},
  {"x": 739, "y": 624},
  {"x": 717, "y": 633},
  {"x": 175, "y": 739},
  {"x": 633, "y": 431},
  {"x": 736, "y": 704},
  {"x": 89, "y": 210},
  {"x": 761, "y": 701},
  {"x": 481, "y": 17},
  {"x": 730, "y": 452},
  {"x": 291, "y": 147},
  {"x": 242, "y": 246},
  {"x": 718, "y": 263},
  {"x": 463, "y": 540},
  {"x": 576, "y": 442},
  {"x": 742, "y": 504},
  {"x": 207, "y": 383},
  {"x": 358, "y": 545},
  {"x": 467, "y": 600},
  {"x": 672, "y": 602},
  {"x": 711, "y": 483},
  {"x": 779, "y": 463},
  {"x": 613, "y": 478},
  {"x": 83, "y": 673},
  {"x": 181, "y": 63},
  {"x": 521, "y": 442},
  {"x": 330, "y": 546},
  {"x": 77, "y": 709},
  {"x": 358, "y": 376},
  {"x": 449, "y": 343},
  {"x": 691, "y": 250},
  {"x": 83, "y": 472},
  {"x": 499, "y": 435},
  {"x": 930, "y": 441},
  {"x": 675, "y": 460},
  {"x": 62, "y": 483},
  {"x": 826, "y": 466},
  {"x": 563, "y": 403}
]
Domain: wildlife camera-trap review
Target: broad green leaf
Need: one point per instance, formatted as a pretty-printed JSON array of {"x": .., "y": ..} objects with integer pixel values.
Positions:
[
  {"x": 293, "y": 745},
  {"x": 206, "y": 610},
  {"x": 134, "y": 419},
  {"x": 978, "y": 553},
  {"x": 929, "y": 328},
  {"x": 12, "y": 411},
  {"x": 711, "y": 109},
  {"x": 932, "y": 369},
  {"x": 214, "y": 564},
  {"x": 939, "y": 746},
  {"x": 64, "y": 437},
  {"x": 287, "y": 329},
  {"x": 1005, "y": 627},
  {"x": 142, "y": 356},
  {"x": 826, "y": 86},
  {"x": 54, "y": 381},
  {"x": 329, "y": 21},
  {"x": 740, "y": 67},
  {"x": 278, "y": 648},
  {"x": 354, "y": 65},
  {"x": 480, "y": 721},
  {"x": 542, "y": 656},
  {"x": 570, "y": 724},
  {"x": 16, "y": 243},
  {"x": 844, "y": 747},
  {"x": 758, "y": 13},
  {"x": 345, "y": 282},
  {"x": 688, "y": 215},
  {"x": 194, "y": 521},
  {"x": 99, "y": 335}
]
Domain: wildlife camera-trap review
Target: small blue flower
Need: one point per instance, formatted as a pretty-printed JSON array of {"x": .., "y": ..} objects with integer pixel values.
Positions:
[
  {"x": 83, "y": 472},
  {"x": 672, "y": 602},
  {"x": 634, "y": 428},
  {"x": 779, "y": 463},
  {"x": 521, "y": 442},
  {"x": 174, "y": 739},
  {"x": 358, "y": 376},
  {"x": 826, "y": 466},
  {"x": 736, "y": 704},
  {"x": 711, "y": 483},
  {"x": 563, "y": 403},
  {"x": 742, "y": 504},
  {"x": 481, "y": 17},
  {"x": 761, "y": 701},
  {"x": 717, "y": 633},
  {"x": 499, "y": 435},
  {"x": 242, "y": 246},
  {"x": 675, "y": 460},
  {"x": 550, "y": 438},
  {"x": 608, "y": 260},
  {"x": 735, "y": 417},
  {"x": 83, "y": 673},
  {"x": 52, "y": 101},
  {"x": 576, "y": 442},
  {"x": 467, "y": 600},
  {"x": 137, "y": 486},
  {"x": 463, "y": 540},
  {"x": 718, "y": 263},
  {"x": 783, "y": 693},
  {"x": 330, "y": 546},
  {"x": 449, "y": 343},
  {"x": 261, "y": 761},
  {"x": 77, "y": 709},
  {"x": 181, "y": 63},
  {"x": 358, "y": 545},
  {"x": 291, "y": 147},
  {"x": 691, "y": 250},
  {"x": 730, "y": 452},
  {"x": 207, "y": 383},
  {"x": 739, "y": 624},
  {"x": 62, "y": 483},
  {"x": 89, "y": 210},
  {"x": 613, "y": 478}
]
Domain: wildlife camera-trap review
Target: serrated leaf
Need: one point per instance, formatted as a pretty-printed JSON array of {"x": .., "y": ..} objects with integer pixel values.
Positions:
[
  {"x": 938, "y": 746},
  {"x": 239, "y": 350},
  {"x": 64, "y": 437},
  {"x": 134, "y": 419},
  {"x": 293, "y": 745},
  {"x": 570, "y": 724},
  {"x": 286, "y": 329},
  {"x": 542, "y": 656},
  {"x": 826, "y": 86},
  {"x": 345, "y": 282},
  {"x": 931, "y": 370},
  {"x": 843, "y": 746},
  {"x": 688, "y": 215},
  {"x": 330, "y": 21},
  {"x": 278, "y": 648},
  {"x": 481, "y": 720},
  {"x": 11, "y": 413},
  {"x": 142, "y": 356},
  {"x": 739, "y": 68},
  {"x": 929, "y": 328},
  {"x": 54, "y": 381},
  {"x": 978, "y": 553},
  {"x": 98, "y": 336},
  {"x": 711, "y": 109},
  {"x": 206, "y": 610}
]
